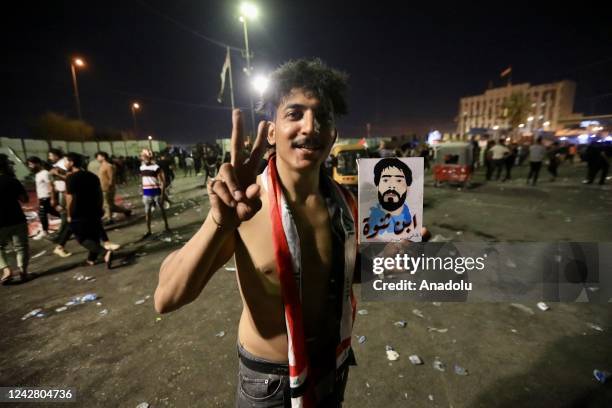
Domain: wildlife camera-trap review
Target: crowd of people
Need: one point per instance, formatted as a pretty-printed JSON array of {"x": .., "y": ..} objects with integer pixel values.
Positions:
[
  {"x": 84, "y": 202},
  {"x": 499, "y": 158}
]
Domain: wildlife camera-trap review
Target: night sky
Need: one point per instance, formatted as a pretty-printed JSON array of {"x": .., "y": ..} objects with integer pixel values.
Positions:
[{"x": 408, "y": 67}]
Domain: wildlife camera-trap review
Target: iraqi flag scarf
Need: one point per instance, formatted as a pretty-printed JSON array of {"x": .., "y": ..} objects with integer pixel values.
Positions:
[{"x": 288, "y": 265}]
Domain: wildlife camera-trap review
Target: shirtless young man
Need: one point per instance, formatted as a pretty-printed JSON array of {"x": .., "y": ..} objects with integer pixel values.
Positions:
[{"x": 244, "y": 221}]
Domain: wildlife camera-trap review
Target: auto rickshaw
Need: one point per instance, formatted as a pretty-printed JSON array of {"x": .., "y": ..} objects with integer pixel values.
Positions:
[
  {"x": 453, "y": 163},
  {"x": 344, "y": 164}
]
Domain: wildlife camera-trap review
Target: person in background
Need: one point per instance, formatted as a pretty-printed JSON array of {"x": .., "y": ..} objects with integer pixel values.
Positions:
[
  {"x": 597, "y": 160},
  {"x": 553, "y": 160},
  {"x": 92, "y": 166},
  {"x": 120, "y": 170},
  {"x": 537, "y": 152},
  {"x": 153, "y": 186},
  {"x": 189, "y": 165},
  {"x": 44, "y": 191},
  {"x": 177, "y": 162},
  {"x": 510, "y": 161},
  {"x": 107, "y": 176},
  {"x": 197, "y": 164},
  {"x": 384, "y": 151},
  {"x": 167, "y": 166},
  {"x": 475, "y": 153},
  {"x": 84, "y": 209},
  {"x": 572, "y": 151},
  {"x": 524, "y": 153},
  {"x": 499, "y": 153},
  {"x": 13, "y": 225},
  {"x": 488, "y": 159},
  {"x": 210, "y": 161},
  {"x": 182, "y": 162},
  {"x": 270, "y": 151},
  {"x": 424, "y": 153},
  {"x": 58, "y": 200}
]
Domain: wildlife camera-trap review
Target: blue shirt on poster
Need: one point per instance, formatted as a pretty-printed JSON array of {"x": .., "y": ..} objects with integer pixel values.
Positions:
[{"x": 381, "y": 221}]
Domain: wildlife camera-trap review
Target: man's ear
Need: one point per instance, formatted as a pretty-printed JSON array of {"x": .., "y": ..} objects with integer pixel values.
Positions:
[{"x": 271, "y": 134}]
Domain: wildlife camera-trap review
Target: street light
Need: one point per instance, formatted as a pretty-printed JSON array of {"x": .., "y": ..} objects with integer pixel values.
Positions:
[
  {"x": 260, "y": 84},
  {"x": 76, "y": 62},
  {"x": 135, "y": 107},
  {"x": 248, "y": 11},
  {"x": 150, "y": 143}
]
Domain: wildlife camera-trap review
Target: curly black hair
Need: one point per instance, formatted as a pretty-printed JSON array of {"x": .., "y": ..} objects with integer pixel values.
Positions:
[
  {"x": 313, "y": 75},
  {"x": 392, "y": 162},
  {"x": 103, "y": 154},
  {"x": 76, "y": 159}
]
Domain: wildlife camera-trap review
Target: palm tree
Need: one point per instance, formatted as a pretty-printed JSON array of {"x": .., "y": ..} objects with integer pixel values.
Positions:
[{"x": 516, "y": 109}]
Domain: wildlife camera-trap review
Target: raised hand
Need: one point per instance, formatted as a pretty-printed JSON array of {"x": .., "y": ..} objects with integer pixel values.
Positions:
[{"x": 233, "y": 194}]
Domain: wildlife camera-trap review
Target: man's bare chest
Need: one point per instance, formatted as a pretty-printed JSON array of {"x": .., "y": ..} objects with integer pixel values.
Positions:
[{"x": 314, "y": 257}]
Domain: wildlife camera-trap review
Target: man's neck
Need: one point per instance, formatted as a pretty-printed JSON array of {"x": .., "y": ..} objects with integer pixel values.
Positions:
[{"x": 298, "y": 184}]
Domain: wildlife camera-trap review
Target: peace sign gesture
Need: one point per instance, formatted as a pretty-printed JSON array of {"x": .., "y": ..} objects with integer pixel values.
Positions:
[{"x": 233, "y": 194}]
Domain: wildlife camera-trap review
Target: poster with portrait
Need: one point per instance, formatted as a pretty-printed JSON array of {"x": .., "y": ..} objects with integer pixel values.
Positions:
[{"x": 390, "y": 199}]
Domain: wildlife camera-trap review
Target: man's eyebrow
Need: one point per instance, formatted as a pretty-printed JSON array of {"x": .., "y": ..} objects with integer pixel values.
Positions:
[{"x": 294, "y": 106}]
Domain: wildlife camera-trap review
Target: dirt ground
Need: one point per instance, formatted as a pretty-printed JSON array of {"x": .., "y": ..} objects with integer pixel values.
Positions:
[{"x": 129, "y": 354}]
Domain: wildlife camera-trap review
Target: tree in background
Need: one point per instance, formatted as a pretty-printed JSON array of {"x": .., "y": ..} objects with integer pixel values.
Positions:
[
  {"x": 52, "y": 125},
  {"x": 516, "y": 109},
  {"x": 113, "y": 135}
]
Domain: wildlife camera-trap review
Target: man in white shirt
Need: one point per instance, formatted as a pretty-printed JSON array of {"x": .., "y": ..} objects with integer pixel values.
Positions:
[
  {"x": 58, "y": 201},
  {"x": 537, "y": 152},
  {"x": 189, "y": 164},
  {"x": 153, "y": 188},
  {"x": 44, "y": 192},
  {"x": 499, "y": 152}
]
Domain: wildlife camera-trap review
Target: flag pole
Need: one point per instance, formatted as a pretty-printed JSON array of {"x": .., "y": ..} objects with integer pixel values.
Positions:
[{"x": 231, "y": 82}]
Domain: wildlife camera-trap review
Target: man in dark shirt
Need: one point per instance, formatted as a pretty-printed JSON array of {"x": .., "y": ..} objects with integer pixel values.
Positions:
[
  {"x": 84, "y": 206},
  {"x": 13, "y": 226},
  {"x": 167, "y": 166}
]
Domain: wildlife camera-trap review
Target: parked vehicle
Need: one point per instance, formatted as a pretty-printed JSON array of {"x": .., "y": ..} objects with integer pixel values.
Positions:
[
  {"x": 344, "y": 164},
  {"x": 453, "y": 163}
]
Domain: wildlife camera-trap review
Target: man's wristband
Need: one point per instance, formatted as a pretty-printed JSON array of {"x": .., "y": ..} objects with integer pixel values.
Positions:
[{"x": 219, "y": 226}]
